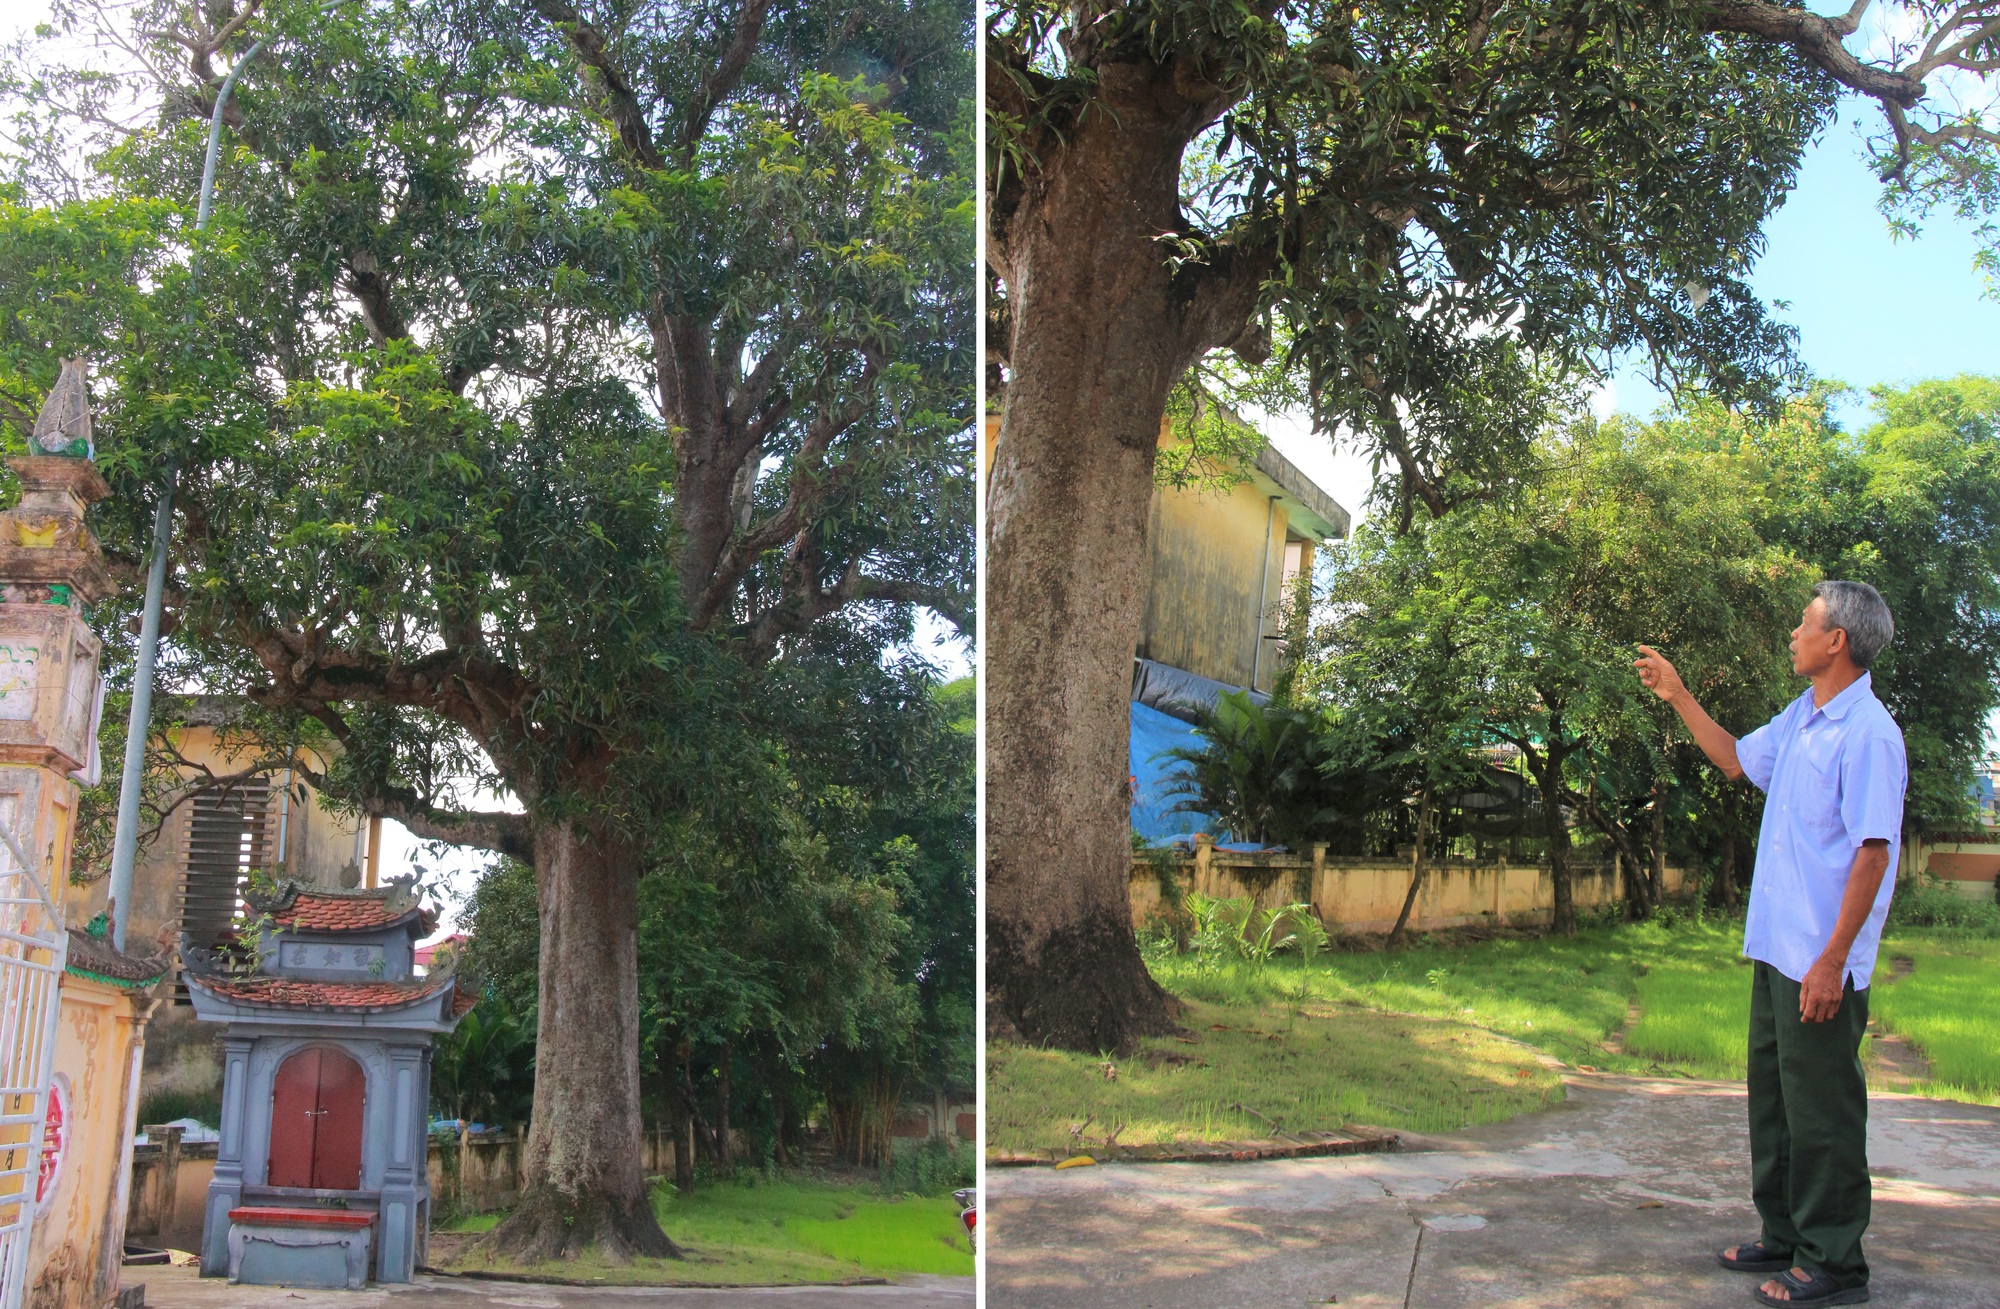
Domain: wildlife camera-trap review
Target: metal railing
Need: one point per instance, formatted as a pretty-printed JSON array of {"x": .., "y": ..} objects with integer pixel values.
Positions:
[{"x": 33, "y": 948}]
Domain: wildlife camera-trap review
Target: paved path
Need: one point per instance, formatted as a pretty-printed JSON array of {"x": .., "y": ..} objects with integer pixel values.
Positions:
[
  {"x": 1618, "y": 1197},
  {"x": 180, "y": 1288}
]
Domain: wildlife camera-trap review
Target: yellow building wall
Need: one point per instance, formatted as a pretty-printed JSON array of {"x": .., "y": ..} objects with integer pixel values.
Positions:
[
  {"x": 79, "y": 1235},
  {"x": 318, "y": 846},
  {"x": 1216, "y": 580}
]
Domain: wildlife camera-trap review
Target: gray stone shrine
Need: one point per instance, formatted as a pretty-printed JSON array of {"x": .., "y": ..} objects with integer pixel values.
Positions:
[{"x": 321, "y": 1176}]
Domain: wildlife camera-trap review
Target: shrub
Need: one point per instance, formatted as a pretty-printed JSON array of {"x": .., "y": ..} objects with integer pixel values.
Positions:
[
  {"x": 169, "y": 1103},
  {"x": 933, "y": 1168},
  {"x": 1925, "y": 901}
]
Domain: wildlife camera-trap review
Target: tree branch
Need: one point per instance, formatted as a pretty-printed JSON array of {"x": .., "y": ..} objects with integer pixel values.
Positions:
[
  {"x": 500, "y": 832},
  {"x": 803, "y": 607},
  {"x": 619, "y": 101},
  {"x": 1819, "y": 40},
  {"x": 496, "y": 830},
  {"x": 728, "y": 71},
  {"x": 810, "y": 482}
]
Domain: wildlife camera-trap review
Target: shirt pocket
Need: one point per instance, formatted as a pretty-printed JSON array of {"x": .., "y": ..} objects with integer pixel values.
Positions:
[{"x": 1819, "y": 778}]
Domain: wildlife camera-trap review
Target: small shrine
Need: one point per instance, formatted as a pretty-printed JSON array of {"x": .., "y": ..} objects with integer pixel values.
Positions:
[{"x": 321, "y": 1176}]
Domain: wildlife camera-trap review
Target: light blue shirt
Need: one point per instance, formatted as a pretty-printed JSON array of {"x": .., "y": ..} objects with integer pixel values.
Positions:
[{"x": 1832, "y": 778}]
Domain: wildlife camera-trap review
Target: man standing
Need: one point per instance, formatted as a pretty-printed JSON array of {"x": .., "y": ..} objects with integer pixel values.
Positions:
[{"x": 1832, "y": 769}]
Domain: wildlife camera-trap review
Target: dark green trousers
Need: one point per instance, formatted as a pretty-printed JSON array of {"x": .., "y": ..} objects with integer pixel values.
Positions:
[{"x": 1809, "y": 1128}]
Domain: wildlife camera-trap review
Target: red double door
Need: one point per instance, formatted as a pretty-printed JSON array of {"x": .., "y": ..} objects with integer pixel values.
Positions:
[{"x": 316, "y": 1107}]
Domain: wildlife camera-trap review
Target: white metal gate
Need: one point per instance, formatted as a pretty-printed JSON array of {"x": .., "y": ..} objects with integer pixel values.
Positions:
[{"x": 33, "y": 946}]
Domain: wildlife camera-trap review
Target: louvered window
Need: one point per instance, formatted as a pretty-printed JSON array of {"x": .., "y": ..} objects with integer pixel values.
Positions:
[{"x": 226, "y": 839}]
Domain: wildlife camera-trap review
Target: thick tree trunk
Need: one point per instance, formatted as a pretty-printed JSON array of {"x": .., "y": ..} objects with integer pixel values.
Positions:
[
  {"x": 1102, "y": 329},
  {"x": 1728, "y": 873},
  {"x": 1071, "y": 498},
  {"x": 1416, "y": 870},
  {"x": 584, "y": 1185}
]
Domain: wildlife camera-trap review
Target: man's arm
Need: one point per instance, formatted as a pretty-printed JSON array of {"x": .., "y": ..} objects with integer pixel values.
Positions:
[
  {"x": 1826, "y": 980},
  {"x": 1661, "y": 679}
]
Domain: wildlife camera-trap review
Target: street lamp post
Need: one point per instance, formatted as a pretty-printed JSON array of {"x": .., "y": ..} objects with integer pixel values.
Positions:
[{"x": 125, "y": 840}]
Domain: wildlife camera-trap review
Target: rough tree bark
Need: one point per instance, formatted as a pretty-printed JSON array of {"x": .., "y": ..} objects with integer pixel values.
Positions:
[
  {"x": 1102, "y": 330},
  {"x": 584, "y": 1185}
]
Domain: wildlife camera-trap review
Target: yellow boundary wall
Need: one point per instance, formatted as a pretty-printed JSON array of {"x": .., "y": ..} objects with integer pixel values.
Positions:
[{"x": 1366, "y": 895}]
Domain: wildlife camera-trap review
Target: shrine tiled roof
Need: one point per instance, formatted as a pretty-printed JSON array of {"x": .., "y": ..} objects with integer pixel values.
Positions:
[
  {"x": 348, "y": 997},
  {"x": 93, "y": 956},
  {"x": 295, "y": 907}
]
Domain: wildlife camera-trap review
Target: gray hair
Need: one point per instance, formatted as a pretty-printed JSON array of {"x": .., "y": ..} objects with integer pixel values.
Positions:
[{"x": 1858, "y": 609}]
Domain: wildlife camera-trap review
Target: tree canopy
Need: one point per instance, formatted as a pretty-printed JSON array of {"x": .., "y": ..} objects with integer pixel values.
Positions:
[
  {"x": 559, "y": 388},
  {"x": 1507, "y": 630}
]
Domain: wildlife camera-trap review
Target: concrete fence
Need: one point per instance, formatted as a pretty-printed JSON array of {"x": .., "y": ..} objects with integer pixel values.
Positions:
[{"x": 1365, "y": 895}]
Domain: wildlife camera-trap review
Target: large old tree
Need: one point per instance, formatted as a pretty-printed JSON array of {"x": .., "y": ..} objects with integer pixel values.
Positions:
[
  {"x": 1430, "y": 208},
  {"x": 554, "y": 371}
]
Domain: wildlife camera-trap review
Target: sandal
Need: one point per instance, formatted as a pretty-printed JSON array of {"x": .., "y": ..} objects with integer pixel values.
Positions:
[
  {"x": 1754, "y": 1258},
  {"x": 1814, "y": 1289}
]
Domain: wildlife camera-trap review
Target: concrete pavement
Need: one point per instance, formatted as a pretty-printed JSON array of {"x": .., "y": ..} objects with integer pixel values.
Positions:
[
  {"x": 180, "y": 1288},
  {"x": 1619, "y": 1197}
]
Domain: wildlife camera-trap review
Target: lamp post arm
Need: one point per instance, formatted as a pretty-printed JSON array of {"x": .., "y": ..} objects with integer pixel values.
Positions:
[{"x": 125, "y": 838}]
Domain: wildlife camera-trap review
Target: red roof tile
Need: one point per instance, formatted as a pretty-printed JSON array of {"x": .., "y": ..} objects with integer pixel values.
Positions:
[
  {"x": 427, "y": 953},
  {"x": 291, "y": 993},
  {"x": 339, "y": 913}
]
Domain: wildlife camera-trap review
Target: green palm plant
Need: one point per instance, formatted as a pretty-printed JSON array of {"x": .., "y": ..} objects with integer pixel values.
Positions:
[
  {"x": 484, "y": 1072},
  {"x": 1260, "y": 772}
]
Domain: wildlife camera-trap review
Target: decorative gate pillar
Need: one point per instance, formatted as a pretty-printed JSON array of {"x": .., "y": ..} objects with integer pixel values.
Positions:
[{"x": 50, "y": 698}]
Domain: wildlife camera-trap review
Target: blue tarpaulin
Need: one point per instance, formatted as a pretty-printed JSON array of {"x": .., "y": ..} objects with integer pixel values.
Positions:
[
  {"x": 1166, "y": 704},
  {"x": 1154, "y": 733}
]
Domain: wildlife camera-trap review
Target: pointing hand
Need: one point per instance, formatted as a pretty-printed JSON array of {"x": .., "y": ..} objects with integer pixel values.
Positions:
[{"x": 1658, "y": 674}]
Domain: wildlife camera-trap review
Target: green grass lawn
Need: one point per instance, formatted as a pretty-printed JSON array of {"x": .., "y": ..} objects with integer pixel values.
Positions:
[
  {"x": 1247, "y": 1070},
  {"x": 1342, "y": 1042},
  {"x": 792, "y": 1229},
  {"x": 1948, "y": 1005},
  {"x": 1568, "y": 996}
]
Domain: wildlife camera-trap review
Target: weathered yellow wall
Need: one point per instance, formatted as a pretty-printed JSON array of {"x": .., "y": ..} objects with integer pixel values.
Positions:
[
  {"x": 1356, "y": 895},
  {"x": 168, "y": 1198},
  {"x": 1217, "y": 574},
  {"x": 1967, "y": 867},
  {"x": 79, "y": 1236},
  {"x": 318, "y": 845},
  {"x": 1218, "y": 559}
]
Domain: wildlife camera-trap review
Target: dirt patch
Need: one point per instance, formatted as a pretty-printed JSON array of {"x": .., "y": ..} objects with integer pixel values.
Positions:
[
  {"x": 447, "y": 1248},
  {"x": 1169, "y": 1059},
  {"x": 1615, "y": 1043},
  {"x": 1893, "y": 1062}
]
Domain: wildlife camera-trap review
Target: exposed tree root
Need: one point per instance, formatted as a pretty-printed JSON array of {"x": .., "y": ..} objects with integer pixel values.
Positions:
[
  {"x": 1086, "y": 988},
  {"x": 547, "y": 1226}
]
